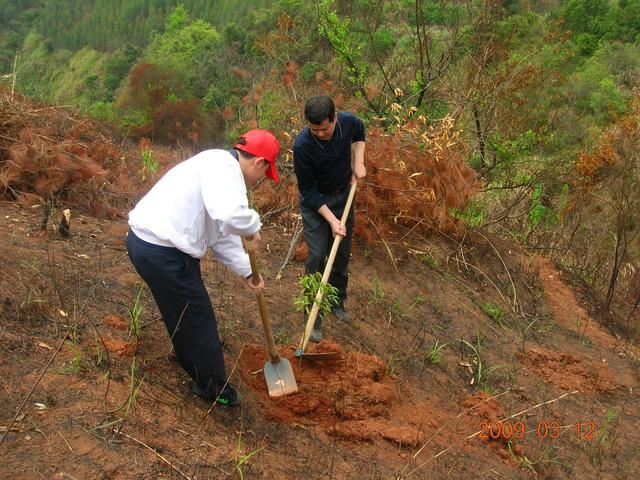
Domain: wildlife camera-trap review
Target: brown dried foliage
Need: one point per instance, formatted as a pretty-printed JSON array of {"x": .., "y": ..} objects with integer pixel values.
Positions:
[
  {"x": 589, "y": 165},
  {"x": 415, "y": 177},
  {"x": 48, "y": 153}
]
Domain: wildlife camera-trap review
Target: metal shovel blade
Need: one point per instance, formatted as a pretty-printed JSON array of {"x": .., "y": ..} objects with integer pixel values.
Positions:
[{"x": 279, "y": 377}]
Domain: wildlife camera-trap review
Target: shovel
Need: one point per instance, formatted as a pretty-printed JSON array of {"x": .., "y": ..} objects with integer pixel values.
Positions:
[
  {"x": 277, "y": 372},
  {"x": 325, "y": 277}
]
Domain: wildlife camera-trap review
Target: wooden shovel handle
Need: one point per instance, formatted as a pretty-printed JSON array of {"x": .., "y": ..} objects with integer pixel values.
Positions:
[
  {"x": 264, "y": 316},
  {"x": 327, "y": 272}
]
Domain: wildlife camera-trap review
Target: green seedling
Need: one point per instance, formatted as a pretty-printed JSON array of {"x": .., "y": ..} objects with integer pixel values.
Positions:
[
  {"x": 134, "y": 390},
  {"x": 310, "y": 284},
  {"x": 434, "y": 355},
  {"x": 134, "y": 314},
  {"x": 396, "y": 308},
  {"x": 429, "y": 261},
  {"x": 241, "y": 458},
  {"x": 494, "y": 312},
  {"x": 75, "y": 364},
  {"x": 436, "y": 306},
  {"x": 377, "y": 290},
  {"x": 281, "y": 336},
  {"x": 149, "y": 164},
  {"x": 419, "y": 300},
  {"x": 99, "y": 358},
  {"x": 605, "y": 435},
  {"x": 393, "y": 363}
]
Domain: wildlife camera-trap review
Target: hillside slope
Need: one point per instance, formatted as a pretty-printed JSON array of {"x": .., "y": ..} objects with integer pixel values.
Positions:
[{"x": 448, "y": 339}]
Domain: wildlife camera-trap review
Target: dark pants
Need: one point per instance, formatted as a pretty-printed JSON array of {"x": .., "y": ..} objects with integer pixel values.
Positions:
[
  {"x": 319, "y": 238},
  {"x": 175, "y": 281}
]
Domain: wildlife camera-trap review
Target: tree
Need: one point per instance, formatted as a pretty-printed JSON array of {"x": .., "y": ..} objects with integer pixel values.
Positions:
[
  {"x": 188, "y": 48},
  {"x": 609, "y": 178}
]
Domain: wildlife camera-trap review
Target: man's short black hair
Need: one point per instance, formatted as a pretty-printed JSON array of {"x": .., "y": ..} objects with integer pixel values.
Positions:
[
  {"x": 242, "y": 153},
  {"x": 319, "y": 108}
]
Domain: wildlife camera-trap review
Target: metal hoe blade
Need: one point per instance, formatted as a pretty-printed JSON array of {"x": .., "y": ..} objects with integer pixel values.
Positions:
[
  {"x": 299, "y": 353},
  {"x": 279, "y": 377}
]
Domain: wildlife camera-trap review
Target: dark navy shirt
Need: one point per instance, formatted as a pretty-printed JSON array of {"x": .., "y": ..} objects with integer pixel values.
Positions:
[{"x": 325, "y": 166}]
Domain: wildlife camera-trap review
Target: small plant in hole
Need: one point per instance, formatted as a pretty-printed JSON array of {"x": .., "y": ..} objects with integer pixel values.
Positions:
[
  {"x": 606, "y": 436},
  {"x": 396, "y": 308},
  {"x": 393, "y": 363},
  {"x": 99, "y": 357},
  {"x": 417, "y": 301},
  {"x": 436, "y": 306},
  {"x": 75, "y": 364},
  {"x": 134, "y": 390},
  {"x": 310, "y": 284}
]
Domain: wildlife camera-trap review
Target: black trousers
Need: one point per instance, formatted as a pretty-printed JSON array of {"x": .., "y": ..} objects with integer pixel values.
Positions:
[
  {"x": 319, "y": 238},
  {"x": 175, "y": 281}
]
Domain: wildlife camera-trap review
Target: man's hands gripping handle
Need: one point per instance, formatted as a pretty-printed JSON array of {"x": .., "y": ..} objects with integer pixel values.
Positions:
[{"x": 256, "y": 285}]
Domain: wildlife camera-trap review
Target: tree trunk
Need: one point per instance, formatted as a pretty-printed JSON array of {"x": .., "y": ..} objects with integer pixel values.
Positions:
[
  {"x": 619, "y": 254},
  {"x": 481, "y": 147}
]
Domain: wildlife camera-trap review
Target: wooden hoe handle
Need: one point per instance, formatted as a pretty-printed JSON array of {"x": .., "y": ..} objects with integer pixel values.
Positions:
[{"x": 327, "y": 271}]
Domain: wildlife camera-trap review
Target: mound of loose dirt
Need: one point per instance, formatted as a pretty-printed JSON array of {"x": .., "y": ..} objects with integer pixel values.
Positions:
[
  {"x": 566, "y": 371},
  {"x": 350, "y": 397}
]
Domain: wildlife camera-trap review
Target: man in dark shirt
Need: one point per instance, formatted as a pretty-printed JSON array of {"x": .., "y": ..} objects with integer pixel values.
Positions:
[{"x": 325, "y": 169}]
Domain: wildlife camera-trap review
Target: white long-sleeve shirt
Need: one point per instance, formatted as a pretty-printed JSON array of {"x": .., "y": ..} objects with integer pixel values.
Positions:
[{"x": 200, "y": 203}]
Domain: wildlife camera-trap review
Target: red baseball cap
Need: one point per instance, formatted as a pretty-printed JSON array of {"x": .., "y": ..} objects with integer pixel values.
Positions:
[{"x": 262, "y": 143}]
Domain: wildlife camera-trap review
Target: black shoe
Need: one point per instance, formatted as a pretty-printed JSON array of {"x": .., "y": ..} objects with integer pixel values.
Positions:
[
  {"x": 230, "y": 397},
  {"x": 341, "y": 314},
  {"x": 316, "y": 335}
]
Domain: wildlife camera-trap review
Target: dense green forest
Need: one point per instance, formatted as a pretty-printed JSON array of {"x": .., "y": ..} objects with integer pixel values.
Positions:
[{"x": 544, "y": 94}]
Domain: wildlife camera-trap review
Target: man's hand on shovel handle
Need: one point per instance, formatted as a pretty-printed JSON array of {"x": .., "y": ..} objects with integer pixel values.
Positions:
[
  {"x": 251, "y": 242},
  {"x": 253, "y": 287}
]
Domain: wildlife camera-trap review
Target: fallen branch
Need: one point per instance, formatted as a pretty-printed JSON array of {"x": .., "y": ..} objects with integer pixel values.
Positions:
[
  {"x": 393, "y": 261},
  {"x": 292, "y": 246},
  {"x": 154, "y": 452}
]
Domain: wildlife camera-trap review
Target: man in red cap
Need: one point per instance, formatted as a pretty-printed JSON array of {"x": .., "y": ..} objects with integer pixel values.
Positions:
[{"x": 200, "y": 203}]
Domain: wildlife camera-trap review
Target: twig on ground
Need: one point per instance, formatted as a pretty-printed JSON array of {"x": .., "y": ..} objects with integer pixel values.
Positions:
[
  {"x": 65, "y": 442},
  {"x": 292, "y": 246},
  {"x": 393, "y": 261},
  {"x": 272, "y": 212},
  {"x": 154, "y": 452}
]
